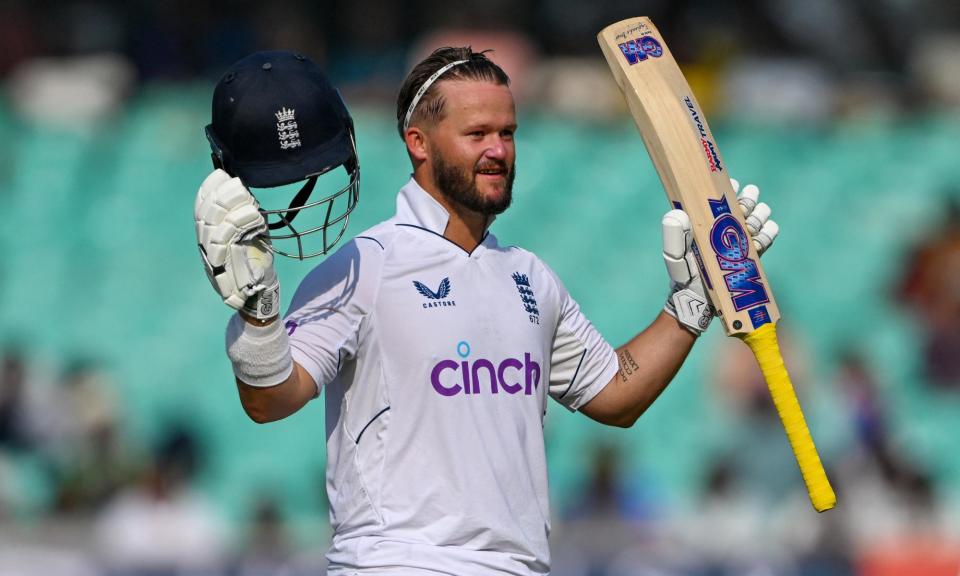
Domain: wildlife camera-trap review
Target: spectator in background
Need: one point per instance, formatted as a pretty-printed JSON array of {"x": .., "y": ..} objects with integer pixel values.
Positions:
[
  {"x": 20, "y": 36},
  {"x": 14, "y": 426},
  {"x": 268, "y": 547},
  {"x": 96, "y": 473},
  {"x": 161, "y": 525},
  {"x": 756, "y": 441},
  {"x": 77, "y": 436},
  {"x": 724, "y": 534},
  {"x": 930, "y": 288},
  {"x": 895, "y": 519},
  {"x": 77, "y": 409},
  {"x": 606, "y": 521},
  {"x": 922, "y": 546}
]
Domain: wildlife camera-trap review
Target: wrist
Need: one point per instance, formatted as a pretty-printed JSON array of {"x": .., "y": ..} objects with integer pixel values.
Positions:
[
  {"x": 260, "y": 354},
  {"x": 256, "y": 321},
  {"x": 692, "y": 310},
  {"x": 263, "y": 307}
]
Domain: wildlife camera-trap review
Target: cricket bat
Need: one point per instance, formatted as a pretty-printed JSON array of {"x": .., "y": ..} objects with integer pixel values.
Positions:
[{"x": 695, "y": 178}]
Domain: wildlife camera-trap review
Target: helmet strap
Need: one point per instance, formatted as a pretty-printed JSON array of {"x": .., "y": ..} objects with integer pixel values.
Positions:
[{"x": 295, "y": 205}]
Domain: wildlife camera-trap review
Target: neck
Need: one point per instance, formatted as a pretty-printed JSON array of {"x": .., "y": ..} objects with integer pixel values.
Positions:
[{"x": 465, "y": 227}]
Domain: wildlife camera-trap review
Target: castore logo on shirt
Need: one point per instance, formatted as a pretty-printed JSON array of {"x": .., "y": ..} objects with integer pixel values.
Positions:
[
  {"x": 435, "y": 299},
  {"x": 512, "y": 375}
]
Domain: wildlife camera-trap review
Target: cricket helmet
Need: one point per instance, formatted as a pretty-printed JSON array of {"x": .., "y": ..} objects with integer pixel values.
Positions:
[{"x": 277, "y": 120}]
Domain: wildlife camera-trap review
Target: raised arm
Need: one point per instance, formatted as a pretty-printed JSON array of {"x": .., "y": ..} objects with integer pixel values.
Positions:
[
  {"x": 240, "y": 268},
  {"x": 272, "y": 402},
  {"x": 650, "y": 360}
]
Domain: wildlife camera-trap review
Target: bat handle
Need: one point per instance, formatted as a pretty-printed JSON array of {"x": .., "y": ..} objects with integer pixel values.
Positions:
[{"x": 763, "y": 343}]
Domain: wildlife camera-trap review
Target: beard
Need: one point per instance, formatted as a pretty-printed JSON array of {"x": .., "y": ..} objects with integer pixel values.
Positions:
[{"x": 461, "y": 187}]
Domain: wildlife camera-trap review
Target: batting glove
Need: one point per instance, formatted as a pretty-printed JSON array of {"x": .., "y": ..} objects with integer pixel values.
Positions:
[
  {"x": 688, "y": 301},
  {"x": 236, "y": 257}
]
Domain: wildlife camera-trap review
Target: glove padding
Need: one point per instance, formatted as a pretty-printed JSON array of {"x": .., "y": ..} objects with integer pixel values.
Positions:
[
  {"x": 688, "y": 301},
  {"x": 235, "y": 252}
]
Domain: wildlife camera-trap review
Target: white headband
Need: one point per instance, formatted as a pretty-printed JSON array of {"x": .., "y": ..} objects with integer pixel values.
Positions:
[{"x": 423, "y": 90}]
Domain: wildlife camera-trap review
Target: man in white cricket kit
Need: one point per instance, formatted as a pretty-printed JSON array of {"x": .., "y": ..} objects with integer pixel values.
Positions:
[{"x": 437, "y": 345}]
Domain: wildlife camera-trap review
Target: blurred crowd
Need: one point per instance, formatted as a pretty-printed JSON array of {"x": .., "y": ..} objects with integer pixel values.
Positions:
[
  {"x": 765, "y": 59},
  {"x": 81, "y": 495},
  {"x": 929, "y": 290},
  {"x": 750, "y": 516}
]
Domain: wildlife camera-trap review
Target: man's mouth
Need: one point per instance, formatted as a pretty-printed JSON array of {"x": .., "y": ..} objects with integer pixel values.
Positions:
[{"x": 492, "y": 171}]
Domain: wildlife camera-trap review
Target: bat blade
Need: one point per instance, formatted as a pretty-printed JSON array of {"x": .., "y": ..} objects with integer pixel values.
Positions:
[
  {"x": 694, "y": 176},
  {"x": 693, "y": 172}
]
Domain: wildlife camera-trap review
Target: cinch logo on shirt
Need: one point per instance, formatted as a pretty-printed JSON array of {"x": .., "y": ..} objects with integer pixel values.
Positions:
[{"x": 481, "y": 376}]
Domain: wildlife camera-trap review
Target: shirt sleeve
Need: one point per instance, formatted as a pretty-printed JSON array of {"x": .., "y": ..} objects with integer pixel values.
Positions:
[
  {"x": 582, "y": 363},
  {"x": 327, "y": 311}
]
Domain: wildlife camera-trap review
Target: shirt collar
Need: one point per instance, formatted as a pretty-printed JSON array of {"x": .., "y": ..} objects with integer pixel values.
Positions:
[{"x": 416, "y": 206}]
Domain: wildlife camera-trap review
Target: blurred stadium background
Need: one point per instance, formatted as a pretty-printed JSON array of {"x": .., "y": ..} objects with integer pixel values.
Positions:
[{"x": 123, "y": 446}]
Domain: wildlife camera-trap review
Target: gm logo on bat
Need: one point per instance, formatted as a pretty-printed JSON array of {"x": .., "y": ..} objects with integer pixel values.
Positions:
[
  {"x": 731, "y": 244},
  {"x": 640, "y": 49}
]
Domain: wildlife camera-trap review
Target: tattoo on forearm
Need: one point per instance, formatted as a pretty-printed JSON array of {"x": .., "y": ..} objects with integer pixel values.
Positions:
[{"x": 627, "y": 364}]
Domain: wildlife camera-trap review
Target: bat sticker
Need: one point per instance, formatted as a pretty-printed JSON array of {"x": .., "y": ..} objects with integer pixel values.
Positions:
[
  {"x": 640, "y": 49},
  {"x": 709, "y": 148}
]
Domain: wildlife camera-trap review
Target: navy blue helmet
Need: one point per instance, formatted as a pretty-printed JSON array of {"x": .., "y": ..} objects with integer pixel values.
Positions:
[{"x": 278, "y": 120}]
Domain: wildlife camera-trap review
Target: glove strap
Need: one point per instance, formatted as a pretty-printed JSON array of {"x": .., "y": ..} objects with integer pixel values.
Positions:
[
  {"x": 690, "y": 309},
  {"x": 265, "y": 304}
]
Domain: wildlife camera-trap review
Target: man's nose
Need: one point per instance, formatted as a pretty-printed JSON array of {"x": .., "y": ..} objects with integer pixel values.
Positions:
[{"x": 497, "y": 149}]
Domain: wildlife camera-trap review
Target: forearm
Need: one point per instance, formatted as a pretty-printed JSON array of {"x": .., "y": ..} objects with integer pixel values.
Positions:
[
  {"x": 239, "y": 264},
  {"x": 271, "y": 385},
  {"x": 277, "y": 402},
  {"x": 648, "y": 363}
]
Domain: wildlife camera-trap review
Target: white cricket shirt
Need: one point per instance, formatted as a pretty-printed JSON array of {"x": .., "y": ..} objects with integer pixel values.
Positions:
[{"x": 437, "y": 365}]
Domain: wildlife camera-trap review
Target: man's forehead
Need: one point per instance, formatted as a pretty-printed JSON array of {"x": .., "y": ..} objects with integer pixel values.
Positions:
[
  {"x": 474, "y": 90},
  {"x": 476, "y": 96}
]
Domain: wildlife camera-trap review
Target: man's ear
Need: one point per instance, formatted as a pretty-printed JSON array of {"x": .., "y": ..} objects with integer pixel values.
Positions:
[{"x": 416, "y": 140}]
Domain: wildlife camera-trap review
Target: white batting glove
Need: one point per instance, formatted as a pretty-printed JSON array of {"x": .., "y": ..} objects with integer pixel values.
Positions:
[
  {"x": 762, "y": 230},
  {"x": 688, "y": 301},
  {"x": 235, "y": 255}
]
